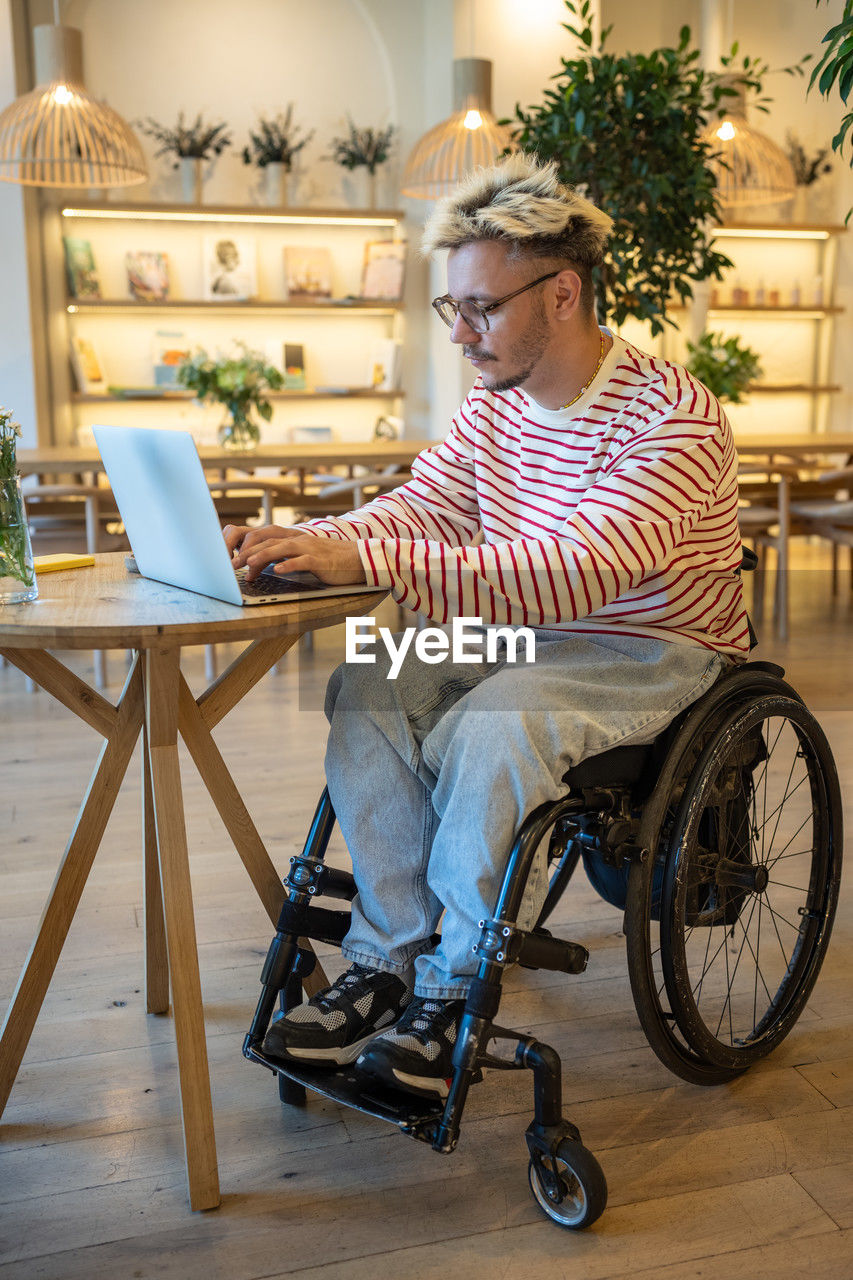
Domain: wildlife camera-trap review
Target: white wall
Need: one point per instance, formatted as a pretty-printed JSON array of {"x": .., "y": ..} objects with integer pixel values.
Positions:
[{"x": 17, "y": 390}]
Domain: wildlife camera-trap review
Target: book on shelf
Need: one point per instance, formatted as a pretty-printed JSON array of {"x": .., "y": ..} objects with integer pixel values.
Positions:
[
  {"x": 88, "y": 370},
  {"x": 384, "y": 269},
  {"x": 80, "y": 269},
  {"x": 169, "y": 350},
  {"x": 147, "y": 275},
  {"x": 230, "y": 268},
  {"x": 383, "y": 372},
  {"x": 294, "y": 366},
  {"x": 311, "y": 435},
  {"x": 307, "y": 273}
]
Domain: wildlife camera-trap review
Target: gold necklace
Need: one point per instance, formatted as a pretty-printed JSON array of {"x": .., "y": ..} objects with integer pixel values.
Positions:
[{"x": 586, "y": 386}]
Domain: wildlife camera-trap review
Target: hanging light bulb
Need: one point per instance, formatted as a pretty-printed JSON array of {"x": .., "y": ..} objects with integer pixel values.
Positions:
[
  {"x": 59, "y": 136},
  {"x": 749, "y": 167},
  {"x": 469, "y": 138}
]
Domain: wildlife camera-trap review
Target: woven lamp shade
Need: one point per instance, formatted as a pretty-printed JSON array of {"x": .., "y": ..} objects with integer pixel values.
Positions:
[
  {"x": 471, "y": 137},
  {"x": 750, "y": 168},
  {"x": 57, "y": 135}
]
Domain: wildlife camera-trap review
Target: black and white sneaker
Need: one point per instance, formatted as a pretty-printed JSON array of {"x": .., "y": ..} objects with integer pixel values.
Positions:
[
  {"x": 417, "y": 1054},
  {"x": 335, "y": 1024}
]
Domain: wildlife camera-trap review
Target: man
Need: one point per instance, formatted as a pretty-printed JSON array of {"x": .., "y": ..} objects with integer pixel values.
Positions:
[{"x": 603, "y": 484}]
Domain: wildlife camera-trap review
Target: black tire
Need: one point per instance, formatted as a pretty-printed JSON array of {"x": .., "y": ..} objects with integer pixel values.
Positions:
[
  {"x": 734, "y": 693},
  {"x": 570, "y": 1187},
  {"x": 750, "y": 884},
  {"x": 736, "y": 688}
]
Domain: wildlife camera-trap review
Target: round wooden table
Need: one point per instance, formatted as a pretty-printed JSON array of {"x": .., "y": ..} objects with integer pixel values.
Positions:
[{"x": 105, "y": 607}]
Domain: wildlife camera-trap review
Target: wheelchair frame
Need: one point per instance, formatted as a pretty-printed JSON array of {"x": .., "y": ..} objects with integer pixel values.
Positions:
[{"x": 638, "y": 811}]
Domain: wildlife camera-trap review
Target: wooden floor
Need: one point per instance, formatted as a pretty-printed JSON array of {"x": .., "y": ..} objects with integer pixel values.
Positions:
[{"x": 751, "y": 1180}]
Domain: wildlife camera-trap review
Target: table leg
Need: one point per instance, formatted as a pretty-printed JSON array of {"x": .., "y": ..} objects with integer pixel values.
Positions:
[
  {"x": 236, "y": 817},
  {"x": 70, "y": 878},
  {"x": 156, "y": 958},
  {"x": 162, "y": 675}
]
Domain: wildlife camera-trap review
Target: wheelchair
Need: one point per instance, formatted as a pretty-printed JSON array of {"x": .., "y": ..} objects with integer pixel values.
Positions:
[{"x": 721, "y": 841}]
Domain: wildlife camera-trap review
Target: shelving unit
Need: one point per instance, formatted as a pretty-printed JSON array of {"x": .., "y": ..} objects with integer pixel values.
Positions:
[
  {"x": 338, "y": 334},
  {"x": 797, "y": 262}
]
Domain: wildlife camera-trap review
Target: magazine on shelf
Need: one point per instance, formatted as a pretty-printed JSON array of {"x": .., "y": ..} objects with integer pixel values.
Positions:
[
  {"x": 307, "y": 273},
  {"x": 88, "y": 369},
  {"x": 169, "y": 350},
  {"x": 83, "y": 279},
  {"x": 147, "y": 275},
  {"x": 383, "y": 372},
  {"x": 230, "y": 268},
  {"x": 294, "y": 366},
  {"x": 384, "y": 268}
]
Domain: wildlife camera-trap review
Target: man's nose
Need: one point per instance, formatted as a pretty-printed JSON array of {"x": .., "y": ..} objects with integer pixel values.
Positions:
[{"x": 462, "y": 332}]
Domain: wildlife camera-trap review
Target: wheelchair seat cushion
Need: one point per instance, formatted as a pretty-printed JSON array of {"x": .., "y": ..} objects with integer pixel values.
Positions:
[{"x": 620, "y": 766}]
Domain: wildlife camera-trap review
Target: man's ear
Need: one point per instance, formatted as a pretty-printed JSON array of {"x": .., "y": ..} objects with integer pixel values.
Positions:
[{"x": 568, "y": 293}]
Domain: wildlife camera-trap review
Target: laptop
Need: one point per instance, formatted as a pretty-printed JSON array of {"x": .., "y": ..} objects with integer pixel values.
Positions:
[{"x": 162, "y": 496}]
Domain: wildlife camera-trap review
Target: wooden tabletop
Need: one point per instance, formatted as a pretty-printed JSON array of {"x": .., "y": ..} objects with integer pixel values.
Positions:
[
  {"x": 294, "y": 457},
  {"x": 105, "y": 607}
]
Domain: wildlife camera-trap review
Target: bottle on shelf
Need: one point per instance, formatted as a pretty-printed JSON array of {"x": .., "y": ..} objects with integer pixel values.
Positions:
[
  {"x": 796, "y": 294},
  {"x": 760, "y": 294}
]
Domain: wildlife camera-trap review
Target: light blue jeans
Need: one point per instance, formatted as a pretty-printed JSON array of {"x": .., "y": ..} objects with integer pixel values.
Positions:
[{"x": 431, "y": 775}]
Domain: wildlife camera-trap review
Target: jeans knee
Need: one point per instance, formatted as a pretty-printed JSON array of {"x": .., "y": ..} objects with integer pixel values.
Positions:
[{"x": 363, "y": 684}]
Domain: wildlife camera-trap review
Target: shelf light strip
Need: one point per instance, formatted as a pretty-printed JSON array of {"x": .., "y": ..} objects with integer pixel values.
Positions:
[
  {"x": 302, "y": 219},
  {"x": 257, "y": 308},
  {"x": 761, "y": 233}
]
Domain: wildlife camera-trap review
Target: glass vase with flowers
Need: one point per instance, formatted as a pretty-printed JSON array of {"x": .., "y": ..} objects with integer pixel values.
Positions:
[
  {"x": 17, "y": 575},
  {"x": 241, "y": 384}
]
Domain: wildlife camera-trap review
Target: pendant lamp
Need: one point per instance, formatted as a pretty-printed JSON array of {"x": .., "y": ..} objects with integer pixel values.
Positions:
[
  {"x": 749, "y": 167},
  {"x": 57, "y": 135},
  {"x": 469, "y": 138}
]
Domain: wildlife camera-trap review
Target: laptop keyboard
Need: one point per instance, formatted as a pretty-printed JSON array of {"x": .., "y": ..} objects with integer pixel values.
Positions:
[{"x": 270, "y": 584}]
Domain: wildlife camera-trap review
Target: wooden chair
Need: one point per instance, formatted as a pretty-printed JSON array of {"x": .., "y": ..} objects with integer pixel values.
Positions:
[{"x": 829, "y": 514}]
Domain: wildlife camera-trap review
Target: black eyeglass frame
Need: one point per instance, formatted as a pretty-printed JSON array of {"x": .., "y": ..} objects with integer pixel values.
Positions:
[{"x": 446, "y": 300}]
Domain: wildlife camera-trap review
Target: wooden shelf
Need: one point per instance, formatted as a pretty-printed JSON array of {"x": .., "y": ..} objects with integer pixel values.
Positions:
[
  {"x": 170, "y": 395},
  {"x": 358, "y": 306},
  {"x": 752, "y": 308},
  {"x": 793, "y": 388}
]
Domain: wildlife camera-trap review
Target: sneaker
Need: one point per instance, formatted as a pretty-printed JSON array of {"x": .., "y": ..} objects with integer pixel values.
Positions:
[
  {"x": 335, "y": 1024},
  {"x": 417, "y": 1055}
]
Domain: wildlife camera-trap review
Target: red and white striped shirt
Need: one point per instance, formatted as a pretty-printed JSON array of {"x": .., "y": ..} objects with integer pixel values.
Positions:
[{"x": 617, "y": 515}]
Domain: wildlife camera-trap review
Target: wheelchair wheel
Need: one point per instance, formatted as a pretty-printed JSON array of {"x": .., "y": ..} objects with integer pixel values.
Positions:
[
  {"x": 677, "y": 901},
  {"x": 751, "y": 882},
  {"x": 570, "y": 1187}
]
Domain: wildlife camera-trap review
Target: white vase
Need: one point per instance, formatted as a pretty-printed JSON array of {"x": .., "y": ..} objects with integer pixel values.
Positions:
[
  {"x": 800, "y": 205},
  {"x": 276, "y": 184},
  {"x": 191, "y": 179}
]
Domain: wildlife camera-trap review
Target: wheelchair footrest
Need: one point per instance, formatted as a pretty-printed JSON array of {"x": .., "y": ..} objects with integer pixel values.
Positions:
[{"x": 352, "y": 1089}]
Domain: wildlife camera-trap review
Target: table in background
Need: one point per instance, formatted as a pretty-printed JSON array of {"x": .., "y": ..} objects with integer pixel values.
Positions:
[{"x": 105, "y": 608}]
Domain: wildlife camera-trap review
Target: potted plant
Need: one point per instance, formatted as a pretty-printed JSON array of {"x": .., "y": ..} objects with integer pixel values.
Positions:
[
  {"x": 189, "y": 145},
  {"x": 724, "y": 365},
  {"x": 363, "y": 148},
  {"x": 17, "y": 575},
  {"x": 626, "y": 129},
  {"x": 241, "y": 385},
  {"x": 807, "y": 170},
  {"x": 273, "y": 147}
]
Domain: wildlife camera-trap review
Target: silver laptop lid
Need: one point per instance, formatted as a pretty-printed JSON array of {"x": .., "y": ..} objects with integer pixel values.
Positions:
[{"x": 162, "y": 496}]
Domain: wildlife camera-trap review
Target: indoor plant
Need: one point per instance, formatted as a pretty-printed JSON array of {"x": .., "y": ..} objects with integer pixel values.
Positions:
[
  {"x": 17, "y": 576},
  {"x": 626, "y": 130},
  {"x": 363, "y": 148},
  {"x": 807, "y": 170},
  {"x": 239, "y": 383},
  {"x": 273, "y": 146},
  {"x": 189, "y": 145},
  {"x": 724, "y": 365}
]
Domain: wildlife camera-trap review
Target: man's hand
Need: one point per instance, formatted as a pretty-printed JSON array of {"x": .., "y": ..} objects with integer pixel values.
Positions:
[{"x": 286, "y": 550}]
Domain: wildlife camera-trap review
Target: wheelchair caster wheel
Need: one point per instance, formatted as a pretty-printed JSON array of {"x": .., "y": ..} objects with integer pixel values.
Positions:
[{"x": 570, "y": 1187}]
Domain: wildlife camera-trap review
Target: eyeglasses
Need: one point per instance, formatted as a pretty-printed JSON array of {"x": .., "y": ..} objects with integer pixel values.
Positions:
[{"x": 476, "y": 316}]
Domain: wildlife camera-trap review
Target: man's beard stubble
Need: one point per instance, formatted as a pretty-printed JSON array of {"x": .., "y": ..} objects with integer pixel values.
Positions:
[{"x": 527, "y": 353}]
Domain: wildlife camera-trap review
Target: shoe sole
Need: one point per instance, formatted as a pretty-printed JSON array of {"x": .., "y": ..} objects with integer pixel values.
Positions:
[{"x": 340, "y": 1056}]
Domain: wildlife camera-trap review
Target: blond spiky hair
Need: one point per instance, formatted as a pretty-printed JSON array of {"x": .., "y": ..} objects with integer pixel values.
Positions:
[{"x": 523, "y": 203}]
